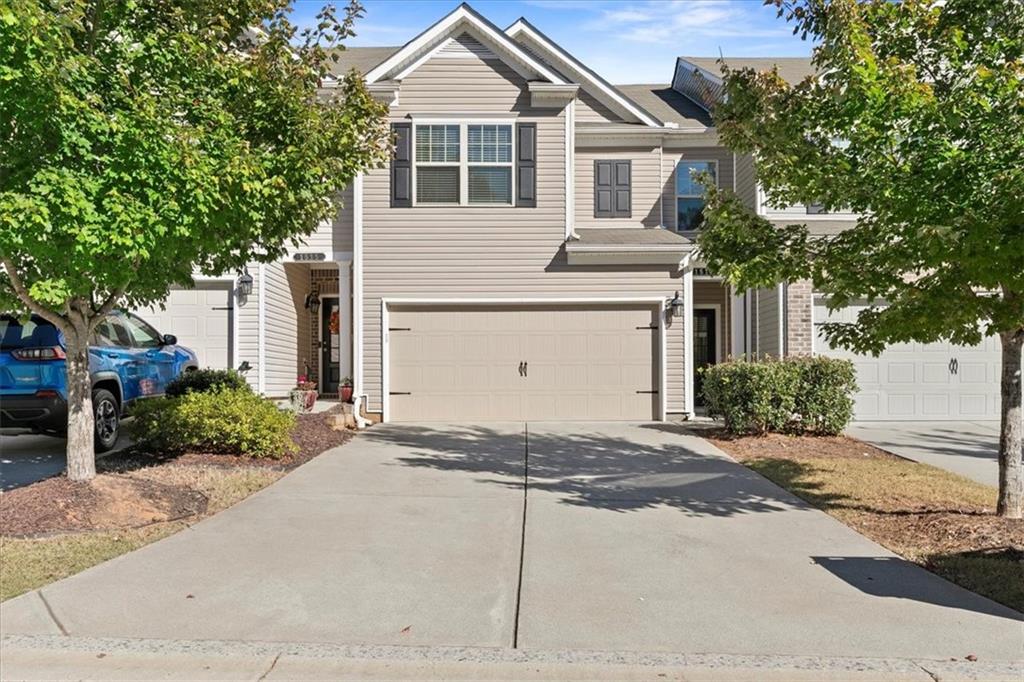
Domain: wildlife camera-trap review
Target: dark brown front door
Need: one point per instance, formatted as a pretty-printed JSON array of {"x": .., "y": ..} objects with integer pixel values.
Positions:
[
  {"x": 330, "y": 346},
  {"x": 705, "y": 347}
]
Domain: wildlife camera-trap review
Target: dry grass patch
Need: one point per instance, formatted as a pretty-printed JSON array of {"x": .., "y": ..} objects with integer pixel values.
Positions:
[
  {"x": 28, "y": 563},
  {"x": 927, "y": 515}
]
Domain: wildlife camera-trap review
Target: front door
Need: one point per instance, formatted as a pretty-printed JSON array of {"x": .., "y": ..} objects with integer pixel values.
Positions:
[
  {"x": 705, "y": 348},
  {"x": 330, "y": 346}
]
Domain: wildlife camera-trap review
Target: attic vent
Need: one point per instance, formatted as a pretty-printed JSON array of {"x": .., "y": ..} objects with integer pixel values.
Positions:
[{"x": 465, "y": 46}]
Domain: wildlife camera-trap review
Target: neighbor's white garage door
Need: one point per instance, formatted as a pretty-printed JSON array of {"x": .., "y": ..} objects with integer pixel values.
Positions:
[
  {"x": 925, "y": 381},
  {"x": 200, "y": 318},
  {"x": 490, "y": 364}
]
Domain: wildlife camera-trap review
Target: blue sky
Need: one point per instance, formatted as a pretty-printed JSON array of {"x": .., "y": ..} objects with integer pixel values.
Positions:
[{"x": 626, "y": 41}]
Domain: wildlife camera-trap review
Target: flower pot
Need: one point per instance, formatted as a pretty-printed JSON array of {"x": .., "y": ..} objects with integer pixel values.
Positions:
[
  {"x": 302, "y": 401},
  {"x": 346, "y": 394}
]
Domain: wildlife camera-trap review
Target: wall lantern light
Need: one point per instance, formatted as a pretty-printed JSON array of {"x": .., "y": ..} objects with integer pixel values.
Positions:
[
  {"x": 244, "y": 284},
  {"x": 313, "y": 302},
  {"x": 677, "y": 305}
]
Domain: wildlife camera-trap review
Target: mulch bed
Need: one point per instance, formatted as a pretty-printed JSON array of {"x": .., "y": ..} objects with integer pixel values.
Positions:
[
  {"x": 115, "y": 499},
  {"x": 111, "y": 501},
  {"x": 778, "y": 445}
]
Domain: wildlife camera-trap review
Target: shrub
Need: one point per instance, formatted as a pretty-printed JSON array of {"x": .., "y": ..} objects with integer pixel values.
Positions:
[
  {"x": 206, "y": 380},
  {"x": 223, "y": 420},
  {"x": 824, "y": 396},
  {"x": 750, "y": 397},
  {"x": 794, "y": 395}
]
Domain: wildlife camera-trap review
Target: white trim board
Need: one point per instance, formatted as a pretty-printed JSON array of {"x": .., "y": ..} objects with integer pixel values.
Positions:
[
  {"x": 462, "y": 19},
  {"x": 719, "y": 328},
  {"x": 654, "y": 301},
  {"x": 598, "y": 86}
]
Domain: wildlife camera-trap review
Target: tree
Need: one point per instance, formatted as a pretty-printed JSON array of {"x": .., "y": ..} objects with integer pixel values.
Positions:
[
  {"x": 915, "y": 121},
  {"x": 143, "y": 140}
]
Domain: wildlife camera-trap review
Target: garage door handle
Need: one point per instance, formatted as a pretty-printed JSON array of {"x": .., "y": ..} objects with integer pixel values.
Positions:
[
  {"x": 954, "y": 365},
  {"x": 526, "y": 369},
  {"x": 520, "y": 368}
]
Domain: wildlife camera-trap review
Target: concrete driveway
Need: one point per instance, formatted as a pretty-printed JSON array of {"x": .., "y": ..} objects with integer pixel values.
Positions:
[
  {"x": 27, "y": 457},
  {"x": 541, "y": 537},
  {"x": 970, "y": 449}
]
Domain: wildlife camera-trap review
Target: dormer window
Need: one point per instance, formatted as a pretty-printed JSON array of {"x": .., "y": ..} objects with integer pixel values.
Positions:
[{"x": 464, "y": 163}]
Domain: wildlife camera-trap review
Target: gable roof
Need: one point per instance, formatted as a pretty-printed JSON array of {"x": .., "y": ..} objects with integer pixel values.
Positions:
[
  {"x": 792, "y": 69},
  {"x": 462, "y": 19},
  {"x": 589, "y": 79},
  {"x": 667, "y": 104},
  {"x": 362, "y": 59}
]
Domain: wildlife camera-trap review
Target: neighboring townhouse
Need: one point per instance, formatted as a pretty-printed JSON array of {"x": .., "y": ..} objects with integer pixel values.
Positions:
[{"x": 529, "y": 254}]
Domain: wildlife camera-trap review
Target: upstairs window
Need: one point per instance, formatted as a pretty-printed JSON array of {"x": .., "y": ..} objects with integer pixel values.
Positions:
[
  {"x": 467, "y": 163},
  {"x": 690, "y": 193},
  {"x": 437, "y": 164},
  {"x": 490, "y": 164}
]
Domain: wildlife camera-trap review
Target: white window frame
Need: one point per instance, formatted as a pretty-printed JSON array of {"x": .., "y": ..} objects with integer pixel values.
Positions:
[
  {"x": 675, "y": 189},
  {"x": 463, "y": 163}
]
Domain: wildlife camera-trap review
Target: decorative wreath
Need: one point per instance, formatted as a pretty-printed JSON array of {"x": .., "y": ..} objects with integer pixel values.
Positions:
[{"x": 335, "y": 324}]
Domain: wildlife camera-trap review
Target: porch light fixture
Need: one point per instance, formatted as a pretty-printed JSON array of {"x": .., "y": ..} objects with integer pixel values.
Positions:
[
  {"x": 313, "y": 302},
  {"x": 244, "y": 284},
  {"x": 676, "y": 305}
]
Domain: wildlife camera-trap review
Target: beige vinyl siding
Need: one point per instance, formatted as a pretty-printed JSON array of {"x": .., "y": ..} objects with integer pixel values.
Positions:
[
  {"x": 767, "y": 301},
  {"x": 479, "y": 253},
  {"x": 287, "y": 328},
  {"x": 590, "y": 110},
  {"x": 646, "y": 187},
  {"x": 672, "y": 157},
  {"x": 746, "y": 180},
  {"x": 335, "y": 235},
  {"x": 247, "y": 310}
]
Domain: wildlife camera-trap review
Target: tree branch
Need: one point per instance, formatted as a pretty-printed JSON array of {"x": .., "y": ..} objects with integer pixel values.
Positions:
[
  {"x": 26, "y": 298},
  {"x": 107, "y": 307}
]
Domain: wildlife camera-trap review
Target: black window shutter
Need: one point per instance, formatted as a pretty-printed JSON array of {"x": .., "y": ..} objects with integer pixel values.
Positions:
[
  {"x": 613, "y": 189},
  {"x": 401, "y": 166},
  {"x": 526, "y": 165}
]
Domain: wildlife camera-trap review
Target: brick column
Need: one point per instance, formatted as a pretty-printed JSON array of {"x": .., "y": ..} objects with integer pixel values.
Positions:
[{"x": 799, "y": 318}]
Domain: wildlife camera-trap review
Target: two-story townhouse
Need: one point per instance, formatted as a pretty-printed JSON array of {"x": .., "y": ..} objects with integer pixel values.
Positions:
[
  {"x": 529, "y": 252},
  {"x": 909, "y": 381}
]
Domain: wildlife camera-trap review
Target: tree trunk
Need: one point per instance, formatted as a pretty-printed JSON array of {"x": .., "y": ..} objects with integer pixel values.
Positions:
[
  {"x": 81, "y": 420},
  {"x": 1011, "y": 432}
]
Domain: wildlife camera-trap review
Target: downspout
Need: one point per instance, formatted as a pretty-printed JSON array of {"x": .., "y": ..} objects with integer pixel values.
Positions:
[
  {"x": 570, "y": 171},
  {"x": 261, "y": 337},
  {"x": 360, "y": 397}
]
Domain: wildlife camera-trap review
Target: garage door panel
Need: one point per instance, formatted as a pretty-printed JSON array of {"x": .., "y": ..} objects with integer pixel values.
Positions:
[
  {"x": 918, "y": 380},
  {"x": 580, "y": 363},
  {"x": 200, "y": 318}
]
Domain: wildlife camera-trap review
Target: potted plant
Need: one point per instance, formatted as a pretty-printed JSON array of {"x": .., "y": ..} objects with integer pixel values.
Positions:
[
  {"x": 346, "y": 390},
  {"x": 303, "y": 396}
]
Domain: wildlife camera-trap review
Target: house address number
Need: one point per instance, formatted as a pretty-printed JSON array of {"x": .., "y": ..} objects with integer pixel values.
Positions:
[{"x": 310, "y": 256}]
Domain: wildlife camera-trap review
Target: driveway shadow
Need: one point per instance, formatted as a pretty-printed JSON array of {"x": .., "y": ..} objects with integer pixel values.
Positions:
[
  {"x": 593, "y": 469},
  {"x": 895, "y": 578}
]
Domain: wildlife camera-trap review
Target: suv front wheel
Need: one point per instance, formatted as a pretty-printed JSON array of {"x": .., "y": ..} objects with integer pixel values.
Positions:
[{"x": 108, "y": 419}]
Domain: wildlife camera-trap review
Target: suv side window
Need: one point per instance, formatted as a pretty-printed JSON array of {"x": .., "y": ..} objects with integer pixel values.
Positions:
[
  {"x": 142, "y": 335},
  {"x": 111, "y": 334}
]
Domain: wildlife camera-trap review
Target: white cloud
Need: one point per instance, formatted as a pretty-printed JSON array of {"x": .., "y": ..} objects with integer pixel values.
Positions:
[{"x": 672, "y": 21}]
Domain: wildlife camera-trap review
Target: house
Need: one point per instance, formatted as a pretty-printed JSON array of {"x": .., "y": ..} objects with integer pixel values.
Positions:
[{"x": 529, "y": 254}]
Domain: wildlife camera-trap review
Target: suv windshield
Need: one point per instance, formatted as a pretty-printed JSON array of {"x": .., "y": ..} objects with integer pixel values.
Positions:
[{"x": 33, "y": 333}]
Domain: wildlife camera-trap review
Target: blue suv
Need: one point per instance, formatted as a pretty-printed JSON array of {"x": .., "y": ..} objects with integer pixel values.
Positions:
[{"x": 128, "y": 360}]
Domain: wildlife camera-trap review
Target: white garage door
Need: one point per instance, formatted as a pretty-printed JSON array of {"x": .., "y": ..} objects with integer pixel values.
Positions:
[
  {"x": 924, "y": 381},
  {"x": 200, "y": 318},
  {"x": 530, "y": 363}
]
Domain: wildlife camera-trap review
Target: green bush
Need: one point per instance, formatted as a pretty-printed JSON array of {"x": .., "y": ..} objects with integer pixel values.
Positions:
[
  {"x": 795, "y": 395},
  {"x": 206, "y": 380},
  {"x": 224, "y": 420}
]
